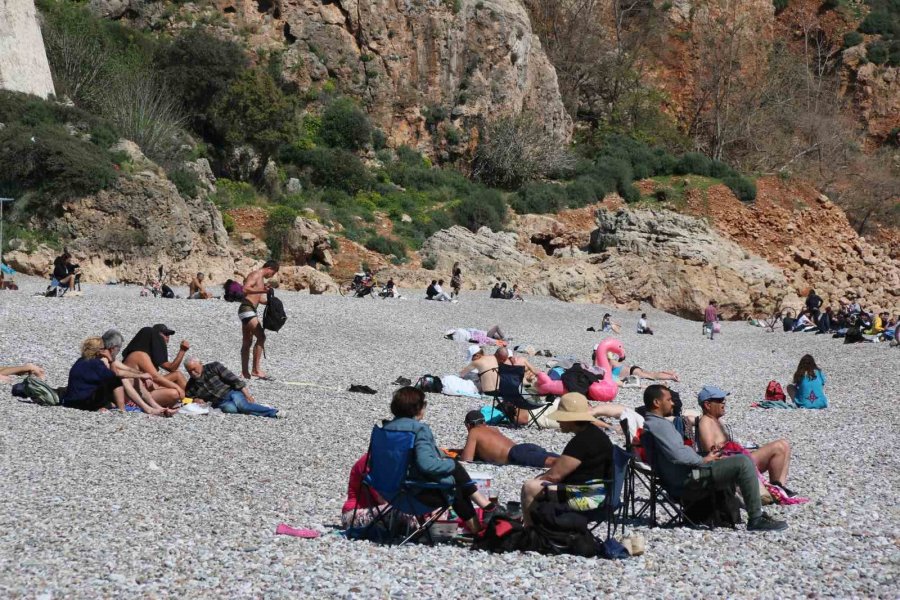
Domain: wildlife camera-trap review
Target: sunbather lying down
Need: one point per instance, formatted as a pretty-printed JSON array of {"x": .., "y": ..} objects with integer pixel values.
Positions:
[
  {"x": 7, "y": 373},
  {"x": 600, "y": 410},
  {"x": 619, "y": 366},
  {"x": 491, "y": 337},
  {"x": 487, "y": 444}
]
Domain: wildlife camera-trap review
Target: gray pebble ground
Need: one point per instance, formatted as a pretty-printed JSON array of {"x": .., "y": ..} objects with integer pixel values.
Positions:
[{"x": 109, "y": 505}]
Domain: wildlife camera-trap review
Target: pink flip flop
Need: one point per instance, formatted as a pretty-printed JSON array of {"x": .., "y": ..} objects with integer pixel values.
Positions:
[{"x": 285, "y": 529}]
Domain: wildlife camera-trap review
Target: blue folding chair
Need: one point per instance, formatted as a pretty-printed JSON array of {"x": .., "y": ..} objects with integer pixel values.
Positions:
[
  {"x": 509, "y": 391},
  {"x": 389, "y": 456}
]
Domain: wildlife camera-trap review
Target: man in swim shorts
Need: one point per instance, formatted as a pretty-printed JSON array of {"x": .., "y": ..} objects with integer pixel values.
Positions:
[
  {"x": 255, "y": 293},
  {"x": 487, "y": 444}
]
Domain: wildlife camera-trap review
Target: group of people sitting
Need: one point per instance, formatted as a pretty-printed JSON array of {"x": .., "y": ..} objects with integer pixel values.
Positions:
[
  {"x": 146, "y": 379},
  {"x": 575, "y": 478},
  {"x": 500, "y": 292},
  {"x": 435, "y": 291},
  {"x": 850, "y": 322}
]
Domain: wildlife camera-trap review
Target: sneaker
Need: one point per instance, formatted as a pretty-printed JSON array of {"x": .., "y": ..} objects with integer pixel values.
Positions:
[{"x": 765, "y": 523}]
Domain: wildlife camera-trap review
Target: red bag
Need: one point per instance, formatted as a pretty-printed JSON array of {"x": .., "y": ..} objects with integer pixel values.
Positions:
[{"x": 775, "y": 392}]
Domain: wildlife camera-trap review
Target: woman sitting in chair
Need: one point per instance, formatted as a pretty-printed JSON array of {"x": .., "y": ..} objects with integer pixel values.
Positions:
[
  {"x": 586, "y": 460},
  {"x": 427, "y": 463}
]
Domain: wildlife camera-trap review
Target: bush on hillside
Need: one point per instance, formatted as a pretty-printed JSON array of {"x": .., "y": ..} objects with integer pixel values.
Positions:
[
  {"x": 280, "y": 221},
  {"x": 330, "y": 167},
  {"x": 852, "y": 38},
  {"x": 540, "y": 198},
  {"x": 198, "y": 66},
  {"x": 743, "y": 188},
  {"x": 780, "y": 5},
  {"x": 344, "y": 125},
  {"x": 484, "y": 208},
  {"x": 383, "y": 245},
  {"x": 187, "y": 182},
  {"x": 48, "y": 158},
  {"x": 877, "y": 52},
  {"x": 515, "y": 150},
  {"x": 879, "y": 22},
  {"x": 719, "y": 169},
  {"x": 585, "y": 190},
  {"x": 693, "y": 163}
]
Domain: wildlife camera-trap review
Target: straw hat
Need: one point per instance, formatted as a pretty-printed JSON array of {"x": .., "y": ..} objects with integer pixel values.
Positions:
[{"x": 572, "y": 407}]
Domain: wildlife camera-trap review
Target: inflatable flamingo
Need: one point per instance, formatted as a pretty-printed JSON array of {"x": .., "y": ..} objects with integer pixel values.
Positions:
[{"x": 604, "y": 390}]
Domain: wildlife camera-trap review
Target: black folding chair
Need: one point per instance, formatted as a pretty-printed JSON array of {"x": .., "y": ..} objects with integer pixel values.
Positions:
[{"x": 510, "y": 381}]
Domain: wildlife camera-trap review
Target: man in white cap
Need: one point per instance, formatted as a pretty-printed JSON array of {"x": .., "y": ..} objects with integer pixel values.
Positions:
[
  {"x": 588, "y": 456},
  {"x": 773, "y": 458}
]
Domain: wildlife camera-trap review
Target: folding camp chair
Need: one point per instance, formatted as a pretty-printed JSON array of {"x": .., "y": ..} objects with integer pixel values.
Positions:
[
  {"x": 389, "y": 456},
  {"x": 638, "y": 472},
  {"x": 509, "y": 391}
]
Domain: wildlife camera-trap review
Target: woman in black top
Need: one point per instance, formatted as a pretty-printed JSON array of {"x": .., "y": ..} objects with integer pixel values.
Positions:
[
  {"x": 588, "y": 457},
  {"x": 65, "y": 272}
]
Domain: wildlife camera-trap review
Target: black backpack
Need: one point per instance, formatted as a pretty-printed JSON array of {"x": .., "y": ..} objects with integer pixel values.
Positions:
[
  {"x": 167, "y": 292},
  {"x": 715, "y": 507},
  {"x": 577, "y": 379},
  {"x": 274, "y": 316},
  {"x": 430, "y": 383},
  {"x": 504, "y": 535},
  {"x": 560, "y": 530}
]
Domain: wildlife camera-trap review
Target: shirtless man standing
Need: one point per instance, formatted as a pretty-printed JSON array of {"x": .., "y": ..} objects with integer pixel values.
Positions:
[
  {"x": 486, "y": 367},
  {"x": 487, "y": 444},
  {"x": 255, "y": 293}
]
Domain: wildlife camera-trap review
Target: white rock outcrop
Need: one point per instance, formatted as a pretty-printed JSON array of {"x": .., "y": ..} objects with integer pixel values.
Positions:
[{"x": 23, "y": 59}]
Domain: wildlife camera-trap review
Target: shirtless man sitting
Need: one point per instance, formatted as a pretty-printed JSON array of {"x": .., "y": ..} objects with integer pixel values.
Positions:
[
  {"x": 774, "y": 457},
  {"x": 197, "y": 291},
  {"x": 255, "y": 293},
  {"x": 485, "y": 365},
  {"x": 487, "y": 444}
]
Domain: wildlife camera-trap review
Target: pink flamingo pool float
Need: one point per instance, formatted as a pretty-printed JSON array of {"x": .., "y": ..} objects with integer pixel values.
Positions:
[{"x": 604, "y": 390}]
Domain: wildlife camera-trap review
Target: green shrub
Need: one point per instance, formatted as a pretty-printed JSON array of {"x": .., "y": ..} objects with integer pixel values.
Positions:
[
  {"x": 829, "y": 5},
  {"x": 877, "y": 52},
  {"x": 540, "y": 198},
  {"x": 199, "y": 66},
  {"x": 515, "y": 150},
  {"x": 780, "y": 5},
  {"x": 379, "y": 140},
  {"x": 693, "y": 163},
  {"x": 643, "y": 160},
  {"x": 665, "y": 162},
  {"x": 878, "y": 22},
  {"x": 614, "y": 174},
  {"x": 852, "y": 38},
  {"x": 484, "y": 208},
  {"x": 383, "y": 245},
  {"x": 629, "y": 193},
  {"x": 103, "y": 135},
  {"x": 344, "y": 125},
  {"x": 585, "y": 190},
  {"x": 719, "y": 169},
  {"x": 280, "y": 221},
  {"x": 330, "y": 167},
  {"x": 228, "y": 222},
  {"x": 743, "y": 188},
  {"x": 187, "y": 182},
  {"x": 254, "y": 110},
  {"x": 49, "y": 159},
  {"x": 410, "y": 157},
  {"x": 233, "y": 194}
]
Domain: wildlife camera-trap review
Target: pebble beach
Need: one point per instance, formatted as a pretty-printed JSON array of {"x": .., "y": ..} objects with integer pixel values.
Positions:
[{"x": 109, "y": 505}]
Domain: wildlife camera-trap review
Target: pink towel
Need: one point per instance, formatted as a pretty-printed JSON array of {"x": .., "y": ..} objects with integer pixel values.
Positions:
[{"x": 285, "y": 529}]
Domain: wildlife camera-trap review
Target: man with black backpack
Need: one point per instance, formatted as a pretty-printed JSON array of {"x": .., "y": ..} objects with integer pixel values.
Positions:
[{"x": 256, "y": 292}]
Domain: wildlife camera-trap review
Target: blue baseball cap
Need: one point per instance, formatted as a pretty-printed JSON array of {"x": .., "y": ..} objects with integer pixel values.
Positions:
[{"x": 711, "y": 392}]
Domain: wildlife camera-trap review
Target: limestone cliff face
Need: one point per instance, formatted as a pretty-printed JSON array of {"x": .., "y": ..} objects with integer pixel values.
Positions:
[{"x": 23, "y": 60}]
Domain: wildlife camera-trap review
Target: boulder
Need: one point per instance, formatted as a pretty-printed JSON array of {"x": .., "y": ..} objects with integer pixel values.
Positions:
[
  {"x": 485, "y": 255},
  {"x": 203, "y": 171},
  {"x": 38, "y": 261},
  {"x": 308, "y": 242},
  {"x": 299, "y": 278},
  {"x": 252, "y": 246}
]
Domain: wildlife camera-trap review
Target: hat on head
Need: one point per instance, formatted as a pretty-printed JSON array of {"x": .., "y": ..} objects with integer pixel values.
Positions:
[
  {"x": 474, "y": 417},
  {"x": 711, "y": 392},
  {"x": 473, "y": 350},
  {"x": 163, "y": 329},
  {"x": 572, "y": 407}
]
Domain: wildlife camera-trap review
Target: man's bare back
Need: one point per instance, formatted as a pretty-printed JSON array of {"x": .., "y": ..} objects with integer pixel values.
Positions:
[{"x": 487, "y": 444}]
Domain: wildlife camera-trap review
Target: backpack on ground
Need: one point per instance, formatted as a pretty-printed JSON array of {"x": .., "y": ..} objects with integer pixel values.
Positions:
[
  {"x": 167, "y": 292},
  {"x": 430, "y": 383},
  {"x": 560, "y": 530},
  {"x": 504, "y": 535},
  {"x": 39, "y": 392},
  {"x": 577, "y": 379},
  {"x": 274, "y": 316},
  {"x": 775, "y": 392},
  {"x": 234, "y": 291},
  {"x": 711, "y": 506}
]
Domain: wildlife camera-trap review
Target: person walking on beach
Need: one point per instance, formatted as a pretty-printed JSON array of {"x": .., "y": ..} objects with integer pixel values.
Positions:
[
  {"x": 710, "y": 318},
  {"x": 455, "y": 280},
  {"x": 255, "y": 293}
]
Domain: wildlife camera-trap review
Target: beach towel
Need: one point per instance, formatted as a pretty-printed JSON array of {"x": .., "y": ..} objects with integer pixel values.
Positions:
[
  {"x": 771, "y": 404},
  {"x": 457, "y": 386}
]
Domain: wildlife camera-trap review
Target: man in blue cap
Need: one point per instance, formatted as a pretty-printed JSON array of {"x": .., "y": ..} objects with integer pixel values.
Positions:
[
  {"x": 773, "y": 458},
  {"x": 677, "y": 464}
]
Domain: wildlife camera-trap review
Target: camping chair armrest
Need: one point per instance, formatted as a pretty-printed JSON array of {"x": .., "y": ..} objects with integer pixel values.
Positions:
[{"x": 429, "y": 485}]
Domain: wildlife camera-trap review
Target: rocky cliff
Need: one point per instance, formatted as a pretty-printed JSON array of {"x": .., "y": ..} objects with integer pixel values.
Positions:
[
  {"x": 127, "y": 231},
  {"x": 23, "y": 60}
]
